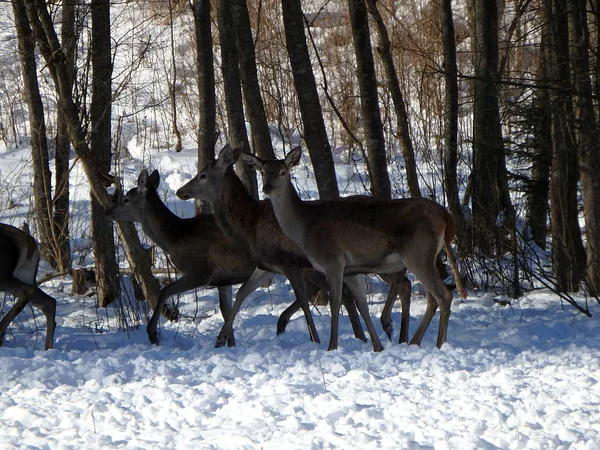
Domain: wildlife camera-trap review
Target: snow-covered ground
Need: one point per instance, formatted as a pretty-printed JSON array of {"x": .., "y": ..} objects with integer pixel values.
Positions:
[{"x": 521, "y": 376}]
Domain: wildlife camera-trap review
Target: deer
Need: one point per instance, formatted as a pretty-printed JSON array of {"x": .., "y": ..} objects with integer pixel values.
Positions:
[
  {"x": 197, "y": 248},
  {"x": 364, "y": 236},
  {"x": 18, "y": 271},
  {"x": 255, "y": 222}
]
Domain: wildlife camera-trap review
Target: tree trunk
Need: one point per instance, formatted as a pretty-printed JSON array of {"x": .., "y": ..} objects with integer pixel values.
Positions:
[
  {"x": 107, "y": 270},
  {"x": 568, "y": 254},
  {"x": 369, "y": 100},
  {"x": 315, "y": 134},
  {"x": 39, "y": 144},
  {"x": 490, "y": 183},
  {"x": 63, "y": 147},
  {"x": 233, "y": 93},
  {"x": 451, "y": 118},
  {"x": 403, "y": 128},
  {"x": 541, "y": 159},
  {"x": 586, "y": 129},
  {"x": 41, "y": 22},
  {"x": 207, "y": 109},
  {"x": 255, "y": 109}
]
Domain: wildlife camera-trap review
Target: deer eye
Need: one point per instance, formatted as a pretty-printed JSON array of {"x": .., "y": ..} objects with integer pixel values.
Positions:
[
  {"x": 282, "y": 173},
  {"x": 203, "y": 176},
  {"x": 125, "y": 200}
]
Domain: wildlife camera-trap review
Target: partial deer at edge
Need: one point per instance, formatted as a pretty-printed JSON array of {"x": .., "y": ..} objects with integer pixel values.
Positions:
[
  {"x": 196, "y": 246},
  {"x": 364, "y": 237},
  {"x": 19, "y": 263}
]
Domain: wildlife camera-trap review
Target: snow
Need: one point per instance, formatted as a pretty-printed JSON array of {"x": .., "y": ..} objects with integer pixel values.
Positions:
[{"x": 524, "y": 376}]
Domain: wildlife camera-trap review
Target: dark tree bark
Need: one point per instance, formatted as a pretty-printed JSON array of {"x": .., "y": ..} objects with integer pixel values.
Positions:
[
  {"x": 255, "y": 109},
  {"x": 369, "y": 100},
  {"x": 451, "y": 116},
  {"x": 490, "y": 183},
  {"x": 107, "y": 270},
  {"x": 586, "y": 128},
  {"x": 63, "y": 146},
  {"x": 207, "y": 110},
  {"x": 233, "y": 93},
  {"x": 41, "y": 23},
  {"x": 42, "y": 197},
  {"x": 568, "y": 253},
  {"x": 207, "y": 107},
  {"x": 315, "y": 134},
  {"x": 538, "y": 192},
  {"x": 403, "y": 128}
]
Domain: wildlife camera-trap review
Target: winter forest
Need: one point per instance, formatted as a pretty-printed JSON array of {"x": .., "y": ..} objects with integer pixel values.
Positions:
[{"x": 120, "y": 122}]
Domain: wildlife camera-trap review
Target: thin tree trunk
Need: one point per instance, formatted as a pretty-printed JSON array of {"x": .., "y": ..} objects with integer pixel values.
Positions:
[
  {"x": 586, "y": 128},
  {"x": 315, "y": 134},
  {"x": 403, "y": 128},
  {"x": 369, "y": 100},
  {"x": 107, "y": 270},
  {"x": 568, "y": 253},
  {"x": 233, "y": 93},
  {"x": 255, "y": 109},
  {"x": 450, "y": 114},
  {"x": 538, "y": 194},
  {"x": 63, "y": 147},
  {"x": 39, "y": 144},
  {"x": 490, "y": 181},
  {"x": 207, "y": 111}
]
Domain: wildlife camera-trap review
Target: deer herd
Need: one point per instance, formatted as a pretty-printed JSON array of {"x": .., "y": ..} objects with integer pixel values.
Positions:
[{"x": 318, "y": 245}]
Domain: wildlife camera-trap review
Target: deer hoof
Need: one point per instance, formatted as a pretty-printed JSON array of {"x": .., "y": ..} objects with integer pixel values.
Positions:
[
  {"x": 221, "y": 341},
  {"x": 377, "y": 347},
  {"x": 231, "y": 342},
  {"x": 282, "y": 325},
  {"x": 153, "y": 337},
  {"x": 388, "y": 327}
]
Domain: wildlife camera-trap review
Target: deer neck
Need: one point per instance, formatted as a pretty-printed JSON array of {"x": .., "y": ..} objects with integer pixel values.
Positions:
[
  {"x": 235, "y": 209},
  {"x": 291, "y": 212},
  {"x": 160, "y": 224}
]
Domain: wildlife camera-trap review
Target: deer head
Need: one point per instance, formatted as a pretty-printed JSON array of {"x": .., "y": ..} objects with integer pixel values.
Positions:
[
  {"x": 275, "y": 174},
  {"x": 131, "y": 206},
  {"x": 207, "y": 185}
]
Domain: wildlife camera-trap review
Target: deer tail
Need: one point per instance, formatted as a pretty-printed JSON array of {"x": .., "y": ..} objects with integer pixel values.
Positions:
[{"x": 449, "y": 235}]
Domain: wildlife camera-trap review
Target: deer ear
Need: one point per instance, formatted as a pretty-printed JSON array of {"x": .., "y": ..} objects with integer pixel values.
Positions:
[
  {"x": 154, "y": 179},
  {"x": 228, "y": 156},
  {"x": 253, "y": 161},
  {"x": 143, "y": 178},
  {"x": 293, "y": 158}
]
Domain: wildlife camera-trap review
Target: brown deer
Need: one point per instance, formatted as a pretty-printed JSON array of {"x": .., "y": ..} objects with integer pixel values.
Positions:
[
  {"x": 196, "y": 246},
  {"x": 254, "y": 222},
  {"x": 374, "y": 236},
  {"x": 19, "y": 263}
]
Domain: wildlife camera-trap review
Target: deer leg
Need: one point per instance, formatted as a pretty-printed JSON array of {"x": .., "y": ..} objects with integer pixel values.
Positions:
[
  {"x": 348, "y": 302},
  {"x": 20, "y": 291},
  {"x": 258, "y": 278},
  {"x": 284, "y": 319},
  {"x": 438, "y": 295},
  {"x": 350, "y": 305},
  {"x": 386, "y": 314},
  {"x": 335, "y": 279},
  {"x": 297, "y": 281},
  {"x": 404, "y": 294},
  {"x": 182, "y": 284},
  {"x": 47, "y": 305},
  {"x": 225, "y": 297},
  {"x": 426, "y": 320},
  {"x": 357, "y": 286}
]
